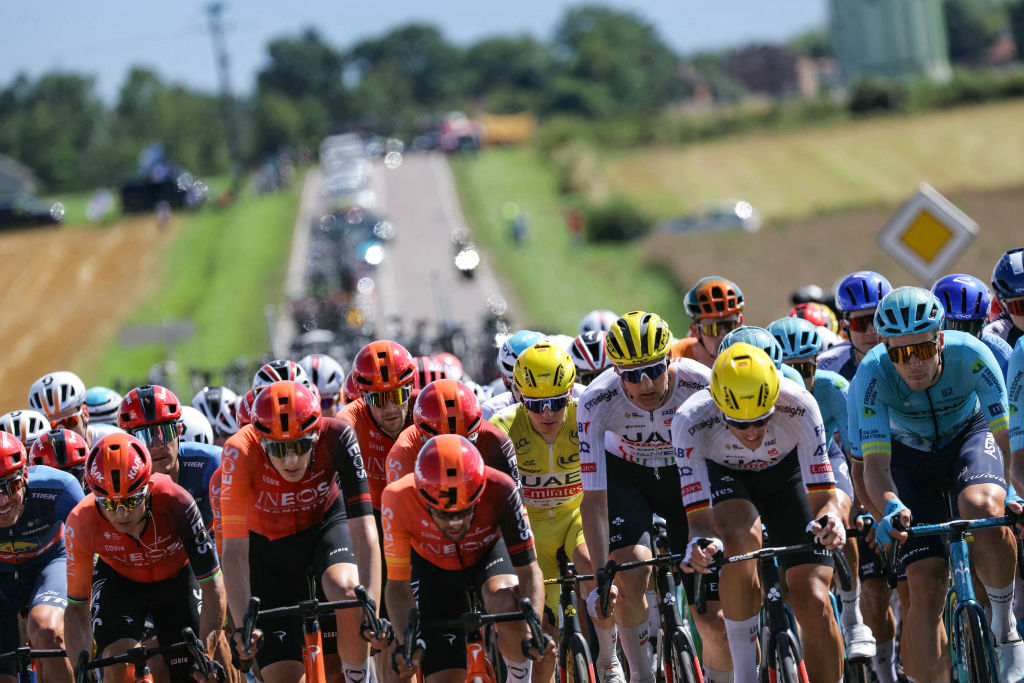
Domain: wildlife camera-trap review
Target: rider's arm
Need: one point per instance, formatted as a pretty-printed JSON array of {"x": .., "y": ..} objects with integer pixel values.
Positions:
[
  {"x": 236, "y": 575},
  {"x": 531, "y": 584},
  {"x": 594, "y": 513},
  {"x": 1015, "y": 400},
  {"x": 78, "y": 546},
  {"x": 355, "y": 491},
  {"x": 594, "y": 507},
  {"x": 366, "y": 548},
  {"x": 869, "y": 431},
  {"x": 202, "y": 556},
  {"x": 77, "y": 630},
  {"x": 234, "y": 504},
  {"x": 400, "y": 599}
]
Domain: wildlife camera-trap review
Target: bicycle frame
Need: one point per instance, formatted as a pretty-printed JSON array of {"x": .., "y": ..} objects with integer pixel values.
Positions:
[
  {"x": 572, "y": 630},
  {"x": 140, "y": 655}
]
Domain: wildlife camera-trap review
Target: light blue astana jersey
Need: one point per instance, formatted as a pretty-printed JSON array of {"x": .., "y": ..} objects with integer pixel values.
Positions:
[
  {"x": 830, "y": 389},
  {"x": 1015, "y": 392}
]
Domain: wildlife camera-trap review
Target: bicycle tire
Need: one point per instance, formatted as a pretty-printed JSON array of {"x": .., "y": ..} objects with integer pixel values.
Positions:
[
  {"x": 789, "y": 668},
  {"x": 972, "y": 636},
  {"x": 856, "y": 672},
  {"x": 578, "y": 667},
  {"x": 682, "y": 658}
]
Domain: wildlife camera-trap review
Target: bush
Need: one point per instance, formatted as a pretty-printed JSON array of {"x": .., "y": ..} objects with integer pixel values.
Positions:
[
  {"x": 616, "y": 220},
  {"x": 875, "y": 95}
]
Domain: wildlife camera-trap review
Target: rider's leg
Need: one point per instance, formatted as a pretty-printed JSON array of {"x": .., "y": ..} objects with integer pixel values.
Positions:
[
  {"x": 924, "y": 651},
  {"x": 812, "y": 607},
  {"x": 739, "y": 526}
]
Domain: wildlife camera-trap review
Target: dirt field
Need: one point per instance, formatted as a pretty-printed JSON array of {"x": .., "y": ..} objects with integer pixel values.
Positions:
[
  {"x": 770, "y": 264},
  {"x": 66, "y": 293}
]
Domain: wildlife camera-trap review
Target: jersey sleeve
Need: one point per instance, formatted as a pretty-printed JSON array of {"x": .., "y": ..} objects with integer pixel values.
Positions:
[
  {"x": 78, "y": 545},
  {"x": 687, "y": 440},
  {"x": 199, "y": 546},
  {"x": 70, "y": 495},
  {"x": 836, "y": 394},
  {"x": 812, "y": 451},
  {"x": 401, "y": 459},
  {"x": 590, "y": 427},
  {"x": 505, "y": 460},
  {"x": 515, "y": 529},
  {"x": 873, "y": 433},
  {"x": 212, "y": 465},
  {"x": 235, "y": 483},
  {"x": 990, "y": 388},
  {"x": 397, "y": 543},
  {"x": 348, "y": 461},
  {"x": 1015, "y": 393}
]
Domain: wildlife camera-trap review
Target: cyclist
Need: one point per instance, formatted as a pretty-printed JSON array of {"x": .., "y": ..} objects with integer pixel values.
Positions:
[
  {"x": 629, "y": 474},
  {"x": 543, "y": 428},
  {"x": 507, "y": 354},
  {"x": 762, "y": 339},
  {"x": 350, "y": 389},
  {"x": 213, "y": 402},
  {"x": 102, "y": 403},
  {"x": 195, "y": 427},
  {"x": 929, "y": 412},
  {"x": 61, "y": 449},
  {"x": 278, "y": 370},
  {"x": 293, "y": 495},
  {"x": 1015, "y": 395},
  {"x": 751, "y": 450},
  {"x": 34, "y": 501},
  {"x": 588, "y": 356},
  {"x": 328, "y": 376},
  {"x": 152, "y": 414},
  {"x": 446, "y": 406},
  {"x": 451, "y": 526},
  {"x": 154, "y": 558},
  {"x": 822, "y": 317},
  {"x": 857, "y": 297},
  {"x": 60, "y": 396},
  {"x": 966, "y": 301},
  {"x": 1008, "y": 285},
  {"x": 27, "y": 425},
  {"x": 598, "y": 321},
  {"x": 715, "y": 306}
]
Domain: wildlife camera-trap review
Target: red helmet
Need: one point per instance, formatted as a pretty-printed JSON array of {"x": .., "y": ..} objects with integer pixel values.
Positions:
[
  {"x": 811, "y": 312},
  {"x": 428, "y": 369},
  {"x": 350, "y": 390},
  {"x": 60, "y": 448},
  {"x": 452, "y": 362},
  {"x": 118, "y": 466},
  {"x": 450, "y": 473},
  {"x": 243, "y": 410},
  {"x": 713, "y": 297},
  {"x": 447, "y": 406},
  {"x": 148, "y": 405},
  {"x": 383, "y": 365},
  {"x": 284, "y": 411},
  {"x": 12, "y": 454}
]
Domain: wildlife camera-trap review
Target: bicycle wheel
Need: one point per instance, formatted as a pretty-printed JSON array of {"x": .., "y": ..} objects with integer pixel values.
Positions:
[
  {"x": 579, "y": 667},
  {"x": 789, "y": 667},
  {"x": 683, "y": 665},
  {"x": 978, "y": 659}
]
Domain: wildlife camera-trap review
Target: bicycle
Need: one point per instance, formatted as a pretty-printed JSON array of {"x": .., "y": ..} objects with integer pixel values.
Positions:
[
  {"x": 781, "y": 654},
  {"x": 575, "y": 662},
  {"x": 970, "y": 639},
  {"x": 140, "y": 655},
  {"x": 478, "y": 661},
  {"x": 308, "y": 611},
  {"x": 23, "y": 656}
]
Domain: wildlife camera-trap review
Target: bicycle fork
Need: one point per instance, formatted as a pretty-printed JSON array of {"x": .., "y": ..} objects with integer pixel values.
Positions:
[
  {"x": 781, "y": 624},
  {"x": 313, "y": 651}
]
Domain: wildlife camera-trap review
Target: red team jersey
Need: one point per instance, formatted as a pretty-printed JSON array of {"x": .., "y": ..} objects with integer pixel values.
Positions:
[
  {"x": 374, "y": 444},
  {"x": 494, "y": 445}
]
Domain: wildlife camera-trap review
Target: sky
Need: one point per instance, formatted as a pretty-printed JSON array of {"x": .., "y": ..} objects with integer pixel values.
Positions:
[{"x": 104, "y": 38}]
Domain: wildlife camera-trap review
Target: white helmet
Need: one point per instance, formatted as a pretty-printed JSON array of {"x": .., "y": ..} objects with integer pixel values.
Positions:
[
  {"x": 27, "y": 425},
  {"x": 226, "y": 423},
  {"x": 598, "y": 320},
  {"x": 195, "y": 426},
  {"x": 562, "y": 341},
  {"x": 103, "y": 405},
  {"x": 58, "y": 394},
  {"x": 325, "y": 372},
  {"x": 211, "y": 400},
  {"x": 278, "y": 370},
  {"x": 100, "y": 430}
]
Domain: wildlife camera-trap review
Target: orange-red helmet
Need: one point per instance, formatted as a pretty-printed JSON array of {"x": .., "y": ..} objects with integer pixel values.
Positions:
[
  {"x": 350, "y": 390},
  {"x": 452, "y": 362},
  {"x": 243, "y": 411},
  {"x": 383, "y": 365},
  {"x": 811, "y": 312},
  {"x": 447, "y": 406},
  {"x": 713, "y": 297},
  {"x": 148, "y": 405},
  {"x": 428, "y": 369},
  {"x": 118, "y": 466},
  {"x": 12, "y": 454},
  {"x": 449, "y": 473},
  {"x": 60, "y": 448},
  {"x": 285, "y": 410}
]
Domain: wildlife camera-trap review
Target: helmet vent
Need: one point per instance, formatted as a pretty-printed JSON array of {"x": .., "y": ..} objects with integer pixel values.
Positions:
[
  {"x": 284, "y": 422},
  {"x": 115, "y": 476},
  {"x": 452, "y": 425}
]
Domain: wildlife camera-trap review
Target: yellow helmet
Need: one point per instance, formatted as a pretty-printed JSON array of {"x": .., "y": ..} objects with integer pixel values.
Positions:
[
  {"x": 830, "y": 316},
  {"x": 638, "y": 338},
  {"x": 544, "y": 371},
  {"x": 744, "y": 382}
]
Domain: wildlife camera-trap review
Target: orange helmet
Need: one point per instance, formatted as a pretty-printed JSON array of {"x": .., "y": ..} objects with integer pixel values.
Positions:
[
  {"x": 118, "y": 466},
  {"x": 812, "y": 312},
  {"x": 243, "y": 411},
  {"x": 12, "y": 454},
  {"x": 713, "y": 297},
  {"x": 452, "y": 362},
  {"x": 350, "y": 390},
  {"x": 383, "y": 365},
  {"x": 450, "y": 473},
  {"x": 148, "y": 405},
  {"x": 447, "y": 406},
  {"x": 60, "y": 448},
  {"x": 428, "y": 369},
  {"x": 284, "y": 411}
]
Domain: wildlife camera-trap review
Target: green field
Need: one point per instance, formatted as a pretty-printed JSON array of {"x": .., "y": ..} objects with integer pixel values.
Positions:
[
  {"x": 223, "y": 268},
  {"x": 797, "y": 174},
  {"x": 554, "y": 280}
]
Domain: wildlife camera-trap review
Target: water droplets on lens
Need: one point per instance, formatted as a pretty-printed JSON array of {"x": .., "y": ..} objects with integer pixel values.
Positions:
[
  {"x": 310, "y": 324},
  {"x": 384, "y": 230},
  {"x": 57, "y": 211},
  {"x": 328, "y": 222},
  {"x": 199, "y": 190},
  {"x": 355, "y": 215},
  {"x": 497, "y": 305},
  {"x": 393, "y": 160},
  {"x": 185, "y": 181},
  {"x": 365, "y": 285}
]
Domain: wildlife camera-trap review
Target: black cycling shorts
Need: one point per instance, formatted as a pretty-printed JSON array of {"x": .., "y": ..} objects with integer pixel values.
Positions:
[
  {"x": 778, "y": 494},
  {"x": 120, "y": 607},
  {"x": 279, "y": 575},
  {"x": 444, "y": 594},
  {"x": 640, "y": 493}
]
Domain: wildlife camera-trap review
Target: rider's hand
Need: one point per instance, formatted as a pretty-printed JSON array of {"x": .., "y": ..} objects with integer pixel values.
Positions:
[
  {"x": 593, "y": 603},
  {"x": 866, "y": 520},
  {"x": 399, "y": 664},
  {"x": 535, "y": 654},
  {"x": 239, "y": 646},
  {"x": 1014, "y": 510},
  {"x": 701, "y": 559},
  {"x": 832, "y": 534},
  {"x": 885, "y": 530},
  {"x": 378, "y": 641}
]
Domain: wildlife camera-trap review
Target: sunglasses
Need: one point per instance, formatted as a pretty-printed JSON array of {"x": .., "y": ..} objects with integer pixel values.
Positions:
[
  {"x": 922, "y": 350},
  {"x": 1013, "y": 306},
  {"x": 652, "y": 372},
  {"x": 746, "y": 424},
  {"x": 128, "y": 502},
  {"x": 537, "y": 405},
  {"x": 165, "y": 432},
  {"x": 69, "y": 422},
  {"x": 281, "y": 449},
  {"x": 861, "y": 323},
  {"x": 453, "y": 516},
  {"x": 379, "y": 399},
  {"x": 718, "y": 328},
  {"x": 9, "y": 487},
  {"x": 806, "y": 368},
  {"x": 971, "y": 327}
]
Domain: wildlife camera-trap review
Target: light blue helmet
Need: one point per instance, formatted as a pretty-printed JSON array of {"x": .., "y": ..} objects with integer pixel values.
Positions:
[
  {"x": 755, "y": 336},
  {"x": 908, "y": 310},
  {"x": 796, "y": 337},
  {"x": 512, "y": 347},
  {"x": 103, "y": 403}
]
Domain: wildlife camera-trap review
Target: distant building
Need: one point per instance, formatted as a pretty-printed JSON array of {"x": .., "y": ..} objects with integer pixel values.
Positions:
[
  {"x": 765, "y": 69},
  {"x": 898, "y": 39}
]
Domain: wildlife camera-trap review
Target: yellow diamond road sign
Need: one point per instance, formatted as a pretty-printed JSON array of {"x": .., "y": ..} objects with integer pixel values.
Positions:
[{"x": 927, "y": 234}]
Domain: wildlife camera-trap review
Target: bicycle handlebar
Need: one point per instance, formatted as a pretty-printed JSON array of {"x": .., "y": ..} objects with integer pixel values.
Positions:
[
  {"x": 605, "y": 575},
  {"x": 23, "y": 656},
  {"x": 248, "y": 624},
  {"x": 139, "y": 655},
  {"x": 474, "y": 621}
]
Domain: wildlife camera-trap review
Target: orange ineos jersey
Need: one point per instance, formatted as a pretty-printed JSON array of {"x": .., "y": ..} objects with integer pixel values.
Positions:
[
  {"x": 174, "y": 536},
  {"x": 407, "y": 526},
  {"x": 683, "y": 348},
  {"x": 374, "y": 444},
  {"x": 494, "y": 445},
  {"x": 254, "y": 497},
  {"x": 218, "y": 526}
]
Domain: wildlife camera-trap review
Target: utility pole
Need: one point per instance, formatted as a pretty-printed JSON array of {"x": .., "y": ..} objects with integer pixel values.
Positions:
[{"x": 227, "y": 102}]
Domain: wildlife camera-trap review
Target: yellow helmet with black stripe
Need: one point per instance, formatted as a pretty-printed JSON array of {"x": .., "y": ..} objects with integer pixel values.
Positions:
[
  {"x": 544, "y": 371},
  {"x": 638, "y": 338}
]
